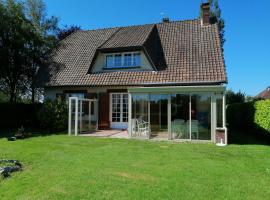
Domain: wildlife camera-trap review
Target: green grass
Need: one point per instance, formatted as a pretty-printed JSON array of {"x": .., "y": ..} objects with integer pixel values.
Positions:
[{"x": 62, "y": 167}]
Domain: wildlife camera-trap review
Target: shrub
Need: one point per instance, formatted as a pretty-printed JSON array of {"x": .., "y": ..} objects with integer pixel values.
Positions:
[
  {"x": 262, "y": 115},
  {"x": 54, "y": 115},
  {"x": 249, "y": 116}
]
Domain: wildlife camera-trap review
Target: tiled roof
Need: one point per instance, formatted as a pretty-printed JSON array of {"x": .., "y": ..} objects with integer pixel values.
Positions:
[
  {"x": 128, "y": 37},
  {"x": 264, "y": 94},
  {"x": 192, "y": 55}
]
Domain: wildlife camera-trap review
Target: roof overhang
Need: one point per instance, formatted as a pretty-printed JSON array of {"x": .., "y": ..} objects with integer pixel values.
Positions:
[{"x": 177, "y": 89}]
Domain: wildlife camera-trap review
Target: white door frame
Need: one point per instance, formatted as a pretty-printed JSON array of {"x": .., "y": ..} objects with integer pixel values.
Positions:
[{"x": 121, "y": 124}]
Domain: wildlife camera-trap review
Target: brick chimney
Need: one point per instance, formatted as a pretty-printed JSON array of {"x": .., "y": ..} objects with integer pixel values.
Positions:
[
  {"x": 205, "y": 14},
  {"x": 165, "y": 20}
]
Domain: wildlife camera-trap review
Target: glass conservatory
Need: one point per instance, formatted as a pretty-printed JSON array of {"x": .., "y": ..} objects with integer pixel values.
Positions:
[{"x": 178, "y": 113}]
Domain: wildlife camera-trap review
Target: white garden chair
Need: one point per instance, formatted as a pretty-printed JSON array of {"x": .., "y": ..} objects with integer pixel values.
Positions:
[{"x": 143, "y": 128}]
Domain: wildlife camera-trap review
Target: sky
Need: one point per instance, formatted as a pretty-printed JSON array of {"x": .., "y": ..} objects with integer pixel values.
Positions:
[{"x": 247, "y": 29}]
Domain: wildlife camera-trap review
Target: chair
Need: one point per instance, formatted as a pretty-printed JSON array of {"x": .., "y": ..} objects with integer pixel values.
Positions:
[
  {"x": 194, "y": 127},
  {"x": 178, "y": 128},
  {"x": 142, "y": 128}
]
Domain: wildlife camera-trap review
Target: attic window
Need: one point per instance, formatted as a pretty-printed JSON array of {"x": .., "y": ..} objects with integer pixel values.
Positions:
[{"x": 123, "y": 60}]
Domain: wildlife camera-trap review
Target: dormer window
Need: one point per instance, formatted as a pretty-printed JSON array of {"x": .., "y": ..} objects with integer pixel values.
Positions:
[{"x": 123, "y": 60}]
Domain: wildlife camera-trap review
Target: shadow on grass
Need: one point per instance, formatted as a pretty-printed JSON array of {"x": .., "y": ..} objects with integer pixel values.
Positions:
[
  {"x": 240, "y": 137},
  {"x": 6, "y": 133}
]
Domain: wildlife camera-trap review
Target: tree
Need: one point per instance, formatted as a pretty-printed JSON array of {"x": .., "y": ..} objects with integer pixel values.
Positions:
[
  {"x": 15, "y": 36},
  {"x": 66, "y": 31},
  {"x": 42, "y": 43},
  {"x": 232, "y": 97},
  {"x": 215, "y": 17}
]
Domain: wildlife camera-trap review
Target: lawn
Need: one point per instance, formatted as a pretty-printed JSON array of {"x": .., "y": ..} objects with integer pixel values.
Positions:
[{"x": 63, "y": 167}]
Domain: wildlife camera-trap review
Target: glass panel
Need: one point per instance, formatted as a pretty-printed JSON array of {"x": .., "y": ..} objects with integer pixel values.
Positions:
[
  {"x": 117, "y": 60},
  {"x": 180, "y": 116},
  {"x": 159, "y": 116},
  {"x": 137, "y": 59},
  {"x": 125, "y": 108},
  {"x": 128, "y": 60},
  {"x": 85, "y": 125},
  {"x": 73, "y": 106},
  {"x": 109, "y": 61},
  {"x": 201, "y": 117},
  {"x": 219, "y": 110},
  {"x": 140, "y": 126},
  {"x": 116, "y": 107}
]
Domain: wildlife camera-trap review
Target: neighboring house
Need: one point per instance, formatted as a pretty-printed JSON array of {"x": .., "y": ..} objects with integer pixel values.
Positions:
[
  {"x": 164, "y": 80},
  {"x": 264, "y": 94}
]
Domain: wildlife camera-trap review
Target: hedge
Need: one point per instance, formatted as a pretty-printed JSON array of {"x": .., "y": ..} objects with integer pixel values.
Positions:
[
  {"x": 250, "y": 116},
  {"x": 262, "y": 115},
  {"x": 17, "y": 115},
  {"x": 50, "y": 116}
]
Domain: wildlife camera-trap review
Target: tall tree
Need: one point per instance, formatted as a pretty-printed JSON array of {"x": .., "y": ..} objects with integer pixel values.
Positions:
[
  {"x": 42, "y": 43},
  {"x": 66, "y": 31},
  {"x": 215, "y": 17},
  {"x": 15, "y": 36}
]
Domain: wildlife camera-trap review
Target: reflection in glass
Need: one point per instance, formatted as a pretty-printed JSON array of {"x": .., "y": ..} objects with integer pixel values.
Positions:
[
  {"x": 180, "y": 116},
  {"x": 140, "y": 125},
  {"x": 159, "y": 116},
  {"x": 201, "y": 117}
]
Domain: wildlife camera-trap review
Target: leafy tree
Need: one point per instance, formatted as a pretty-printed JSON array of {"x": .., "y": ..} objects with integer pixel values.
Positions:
[
  {"x": 215, "y": 17},
  {"x": 232, "y": 97},
  {"x": 42, "y": 43},
  {"x": 66, "y": 31},
  {"x": 16, "y": 34}
]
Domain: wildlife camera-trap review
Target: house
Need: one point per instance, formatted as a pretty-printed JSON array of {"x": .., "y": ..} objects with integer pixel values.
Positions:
[
  {"x": 163, "y": 80},
  {"x": 264, "y": 94}
]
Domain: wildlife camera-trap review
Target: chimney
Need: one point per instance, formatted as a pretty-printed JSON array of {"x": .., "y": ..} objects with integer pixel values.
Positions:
[
  {"x": 165, "y": 20},
  {"x": 205, "y": 14}
]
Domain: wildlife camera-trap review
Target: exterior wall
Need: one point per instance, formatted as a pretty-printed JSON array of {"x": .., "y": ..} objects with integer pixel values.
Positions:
[{"x": 100, "y": 64}]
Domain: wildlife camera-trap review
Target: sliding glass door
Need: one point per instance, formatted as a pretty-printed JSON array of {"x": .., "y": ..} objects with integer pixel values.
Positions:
[
  {"x": 180, "y": 116},
  {"x": 159, "y": 116},
  {"x": 191, "y": 116},
  {"x": 201, "y": 117}
]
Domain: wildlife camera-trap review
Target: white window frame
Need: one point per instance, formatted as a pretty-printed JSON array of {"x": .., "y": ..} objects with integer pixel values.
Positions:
[{"x": 122, "y": 59}]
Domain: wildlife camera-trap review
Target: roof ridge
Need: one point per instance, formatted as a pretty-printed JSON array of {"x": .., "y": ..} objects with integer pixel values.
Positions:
[{"x": 117, "y": 27}]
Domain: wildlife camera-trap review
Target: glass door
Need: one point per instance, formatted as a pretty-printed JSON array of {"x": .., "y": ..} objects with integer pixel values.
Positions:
[{"x": 119, "y": 110}]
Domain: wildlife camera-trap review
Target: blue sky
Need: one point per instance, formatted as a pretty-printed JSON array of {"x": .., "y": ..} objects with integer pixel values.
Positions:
[{"x": 247, "y": 31}]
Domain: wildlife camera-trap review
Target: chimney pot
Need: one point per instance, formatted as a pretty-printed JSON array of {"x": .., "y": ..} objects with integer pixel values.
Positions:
[
  {"x": 205, "y": 12},
  {"x": 165, "y": 19}
]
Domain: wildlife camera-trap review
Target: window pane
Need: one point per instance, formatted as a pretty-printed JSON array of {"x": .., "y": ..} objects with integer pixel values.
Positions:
[
  {"x": 180, "y": 116},
  {"x": 109, "y": 61},
  {"x": 137, "y": 59},
  {"x": 118, "y": 60},
  {"x": 219, "y": 112},
  {"x": 201, "y": 117},
  {"x": 127, "y": 60}
]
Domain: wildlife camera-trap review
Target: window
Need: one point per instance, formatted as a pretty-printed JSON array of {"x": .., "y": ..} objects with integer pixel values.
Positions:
[
  {"x": 137, "y": 59},
  {"x": 109, "y": 61},
  {"x": 128, "y": 59},
  {"x": 117, "y": 60},
  {"x": 123, "y": 60}
]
